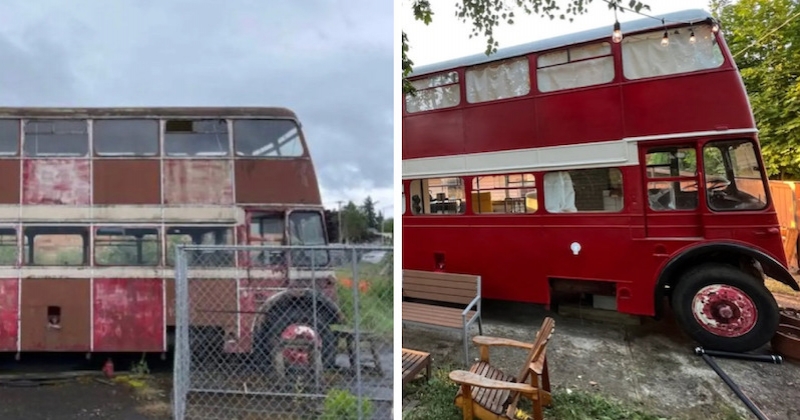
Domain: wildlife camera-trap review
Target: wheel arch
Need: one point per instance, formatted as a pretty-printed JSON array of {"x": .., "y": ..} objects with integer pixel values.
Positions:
[
  {"x": 298, "y": 298},
  {"x": 738, "y": 255}
]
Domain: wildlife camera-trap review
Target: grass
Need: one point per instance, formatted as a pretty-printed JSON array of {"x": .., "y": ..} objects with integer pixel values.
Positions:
[
  {"x": 435, "y": 401},
  {"x": 376, "y": 291}
]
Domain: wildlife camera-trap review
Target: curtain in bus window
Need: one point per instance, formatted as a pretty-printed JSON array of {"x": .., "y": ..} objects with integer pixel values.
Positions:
[
  {"x": 644, "y": 56},
  {"x": 578, "y": 74},
  {"x": 502, "y": 80},
  {"x": 559, "y": 195}
]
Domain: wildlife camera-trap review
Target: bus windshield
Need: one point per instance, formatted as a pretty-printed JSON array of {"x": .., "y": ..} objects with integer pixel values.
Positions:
[
  {"x": 307, "y": 228},
  {"x": 733, "y": 176}
]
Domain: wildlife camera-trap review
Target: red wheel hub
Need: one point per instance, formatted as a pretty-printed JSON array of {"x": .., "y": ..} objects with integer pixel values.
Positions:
[{"x": 724, "y": 310}]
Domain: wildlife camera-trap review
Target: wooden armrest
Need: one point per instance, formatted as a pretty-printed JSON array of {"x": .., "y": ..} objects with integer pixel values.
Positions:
[
  {"x": 483, "y": 340},
  {"x": 468, "y": 378},
  {"x": 537, "y": 366}
]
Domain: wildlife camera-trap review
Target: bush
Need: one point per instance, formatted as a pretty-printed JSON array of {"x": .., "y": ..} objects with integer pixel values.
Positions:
[{"x": 343, "y": 405}]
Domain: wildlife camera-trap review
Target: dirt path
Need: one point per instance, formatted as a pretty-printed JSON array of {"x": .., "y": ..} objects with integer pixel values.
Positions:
[{"x": 651, "y": 365}]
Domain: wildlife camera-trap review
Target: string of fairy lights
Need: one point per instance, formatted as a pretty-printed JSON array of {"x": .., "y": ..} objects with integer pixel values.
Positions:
[{"x": 616, "y": 34}]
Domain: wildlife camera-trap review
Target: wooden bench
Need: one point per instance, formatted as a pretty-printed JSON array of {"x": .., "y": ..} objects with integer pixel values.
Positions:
[
  {"x": 437, "y": 288},
  {"x": 488, "y": 393},
  {"x": 414, "y": 362}
]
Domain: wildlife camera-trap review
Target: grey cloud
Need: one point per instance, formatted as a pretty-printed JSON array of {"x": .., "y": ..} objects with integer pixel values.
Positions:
[{"x": 330, "y": 61}]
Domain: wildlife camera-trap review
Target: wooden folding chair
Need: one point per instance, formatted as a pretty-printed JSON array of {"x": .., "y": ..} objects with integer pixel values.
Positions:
[{"x": 488, "y": 393}]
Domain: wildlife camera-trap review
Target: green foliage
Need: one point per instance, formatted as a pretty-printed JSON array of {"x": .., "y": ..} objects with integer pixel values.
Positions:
[
  {"x": 343, "y": 405},
  {"x": 486, "y": 15},
  {"x": 358, "y": 220},
  {"x": 763, "y": 36}
]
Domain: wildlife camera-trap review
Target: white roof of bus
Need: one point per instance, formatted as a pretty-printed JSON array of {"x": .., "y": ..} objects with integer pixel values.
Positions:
[{"x": 644, "y": 24}]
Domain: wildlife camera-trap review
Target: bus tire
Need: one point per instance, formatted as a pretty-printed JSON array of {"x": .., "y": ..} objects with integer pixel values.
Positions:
[
  {"x": 271, "y": 329},
  {"x": 723, "y": 308}
]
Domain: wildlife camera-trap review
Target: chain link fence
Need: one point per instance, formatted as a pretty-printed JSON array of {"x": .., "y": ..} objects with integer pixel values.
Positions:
[{"x": 283, "y": 332}]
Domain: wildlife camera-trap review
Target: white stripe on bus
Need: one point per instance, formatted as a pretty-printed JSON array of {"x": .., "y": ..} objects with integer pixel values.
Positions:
[{"x": 573, "y": 156}]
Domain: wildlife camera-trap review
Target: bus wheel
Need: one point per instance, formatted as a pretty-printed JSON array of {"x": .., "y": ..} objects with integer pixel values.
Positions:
[{"x": 723, "y": 308}]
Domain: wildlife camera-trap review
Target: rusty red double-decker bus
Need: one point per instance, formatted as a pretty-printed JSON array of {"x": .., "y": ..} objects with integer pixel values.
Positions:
[
  {"x": 626, "y": 171},
  {"x": 93, "y": 202}
]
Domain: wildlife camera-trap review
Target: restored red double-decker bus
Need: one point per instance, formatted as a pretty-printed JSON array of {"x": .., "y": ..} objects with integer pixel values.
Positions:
[
  {"x": 93, "y": 202},
  {"x": 627, "y": 171}
]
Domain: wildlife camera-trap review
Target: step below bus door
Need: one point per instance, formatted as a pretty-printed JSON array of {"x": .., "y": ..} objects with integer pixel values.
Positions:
[{"x": 672, "y": 194}]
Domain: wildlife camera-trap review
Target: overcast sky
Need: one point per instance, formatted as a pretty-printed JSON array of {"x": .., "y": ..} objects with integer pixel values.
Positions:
[{"x": 331, "y": 61}]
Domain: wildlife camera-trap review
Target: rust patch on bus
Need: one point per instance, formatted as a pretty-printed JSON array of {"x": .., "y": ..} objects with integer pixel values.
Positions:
[
  {"x": 127, "y": 181},
  {"x": 9, "y": 178},
  {"x": 213, "y": 303},
  {"x": 9, "y": 313},
  {"x": 128, "y": 315},
  {"x": 276, "y": 181},
  {"x": 197, "y": 182},
  {"x": 71, "y": 298},
  {"x": 56, "y": 181}
]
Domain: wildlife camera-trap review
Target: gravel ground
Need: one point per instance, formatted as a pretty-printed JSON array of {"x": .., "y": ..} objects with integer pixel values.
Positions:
[
  {"x": 651, "y": 365},
  {"x": 77, "y": 399},
  {"x": 83, "y": 397}
]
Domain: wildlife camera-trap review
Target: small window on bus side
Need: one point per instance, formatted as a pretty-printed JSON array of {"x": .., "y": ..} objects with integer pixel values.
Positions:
[
  {"x": 56, "y": 138},
  {"x": 576, "y": 67},
  {"x": 267, "y": 138},
  {"x": 434, "y": 92},
  {"x": 438, "y": 196},
  {"x": 201, "y": 235},
  {"x": 118, "y": 137},
  {"x": 500, "y": 80},
  {"x": 733, "y": 176},
  {"x": 127, "y": 247},
  {"x": 9, "y": 137},
  {"x": 8, "y": 247},
  {"x": 672, "y": 174},
  {"x": 196, "y": 138},
  {"x": 643, "y": 55},
  {"x": 583, "y": 190},
  {"x": 514, "y": 193},
  {"x": 56, "y": 246}
]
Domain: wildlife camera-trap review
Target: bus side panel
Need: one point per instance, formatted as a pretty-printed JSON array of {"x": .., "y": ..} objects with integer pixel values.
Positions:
[
  {"x": 197, "y": 182},
  {"x": 578, "y": 117},
  {"x": 438, "y": 133},
  {"x": 683, "y": 104},
  {"x": 56, "y": 181},
  {"x": 482, "y": 123},
  {"x": 128, "y": 315},
  {"x": 256, "y": 181},
  {"x": 9, "y": 314},
  {"x": 70, "y": 299}
]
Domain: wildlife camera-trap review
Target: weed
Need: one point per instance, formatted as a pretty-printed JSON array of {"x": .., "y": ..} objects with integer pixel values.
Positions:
[
  {"x": 140, "y": 368},
  {"x": 343, "y": 405}
]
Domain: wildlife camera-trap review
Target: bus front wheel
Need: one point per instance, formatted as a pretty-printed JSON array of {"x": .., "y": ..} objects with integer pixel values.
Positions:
[{"x": 723, "y": 308}]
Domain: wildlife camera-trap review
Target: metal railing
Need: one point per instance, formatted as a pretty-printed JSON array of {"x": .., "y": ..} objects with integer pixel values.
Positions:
[{"x": 283, "y": 332}]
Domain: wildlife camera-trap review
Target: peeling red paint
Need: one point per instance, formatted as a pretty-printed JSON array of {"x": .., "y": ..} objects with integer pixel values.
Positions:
[
  {"x": 56, "y": 181},
  {"x": 9, "y": 314},
  {"x": 128, "y": 315},
  {"x": 198, "y": 182}
]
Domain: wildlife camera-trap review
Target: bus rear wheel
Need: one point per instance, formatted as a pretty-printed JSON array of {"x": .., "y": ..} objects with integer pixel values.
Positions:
[{"x": 723, "y": 308}]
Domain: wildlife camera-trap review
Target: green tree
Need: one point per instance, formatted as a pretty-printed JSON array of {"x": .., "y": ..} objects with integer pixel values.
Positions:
[
  {"x": 764, "y": 38},
  {"x": 486, "y": 15},
  {"x": 354, "y": 224},
  {"x": 368, "y": 208}
]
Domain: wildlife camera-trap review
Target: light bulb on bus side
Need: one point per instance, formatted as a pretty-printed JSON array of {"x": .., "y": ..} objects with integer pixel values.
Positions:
[
  {"x": 665, "y": 40},
  {"x": 616, "y": 36},
  {"x": 692, "y": 38}
]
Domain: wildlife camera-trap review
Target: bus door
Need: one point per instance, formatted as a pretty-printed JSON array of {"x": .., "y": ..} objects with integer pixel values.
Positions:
[{"x": 672, "y": 192}]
